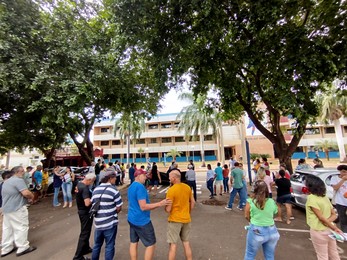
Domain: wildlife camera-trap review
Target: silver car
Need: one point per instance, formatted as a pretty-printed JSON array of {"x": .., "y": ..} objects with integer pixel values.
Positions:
[{"x": 300, "y": 191}]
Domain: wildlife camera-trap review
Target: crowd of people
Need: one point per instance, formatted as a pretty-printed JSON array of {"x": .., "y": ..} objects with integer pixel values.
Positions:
[{"x": 98, "y": 193}]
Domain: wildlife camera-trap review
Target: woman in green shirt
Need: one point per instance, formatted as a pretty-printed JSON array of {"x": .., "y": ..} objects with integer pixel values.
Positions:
[
  {"x": 320, "y": 215},
  {"x": 262, "y": 232}
]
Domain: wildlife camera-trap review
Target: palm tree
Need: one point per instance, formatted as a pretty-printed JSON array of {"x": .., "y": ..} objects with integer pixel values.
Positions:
[
  {"x": 173, "y": 153},
  {"x": 326, "y": 145},
  {"x": 196, "y": 120},
  {"x": 333, "y": 106},
  {"x": 130, "y": 126},
  {"x": 140, "y": 151}
]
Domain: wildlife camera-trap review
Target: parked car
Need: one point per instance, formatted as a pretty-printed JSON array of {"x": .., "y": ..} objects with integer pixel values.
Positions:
[{"x": 300, "y": 191}]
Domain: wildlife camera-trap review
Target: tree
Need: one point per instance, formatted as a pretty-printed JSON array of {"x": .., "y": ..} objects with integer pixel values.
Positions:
[
  {"x": 173, "y": 153},
  {"x": 270, "y": 53},
  {"x": 196, "y": 120},
  {"x": 64, "y": 64},
  {"x": 140, "y": 151},
  {"x": 130, "y": 127},
  {"x": 326, "y": 145},
  {"x": 333, "y": 106}
]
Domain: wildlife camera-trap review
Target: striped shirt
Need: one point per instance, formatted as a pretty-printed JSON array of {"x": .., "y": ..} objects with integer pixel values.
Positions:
[{"x": 107, "y": 216}]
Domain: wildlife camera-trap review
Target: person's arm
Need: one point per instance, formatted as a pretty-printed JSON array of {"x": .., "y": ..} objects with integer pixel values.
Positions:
[
  {"x": 248, "y": 211},
  {"x": 192, "y": 202},
  {"x": 158, "y": 173},
  {"x": 339, "y": 184},
  {"x": 149, "y": 206},
  {"x": 231, "y": 179},
  {"x": 27, "y": 194},
  {"x": 87, "y": 202},
  {"x": 118, "y": 209},
  {"x": 326, "y": 221}
]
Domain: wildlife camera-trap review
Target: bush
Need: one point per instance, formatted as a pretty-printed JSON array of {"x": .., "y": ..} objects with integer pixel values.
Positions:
[{"x": 257, "y": 155}]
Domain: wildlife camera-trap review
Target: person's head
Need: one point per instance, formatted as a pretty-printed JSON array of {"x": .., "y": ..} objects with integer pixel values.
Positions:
[
  {"x": 175, "y": 177},
  {"x": 260, "y": 194},
  {"x": 132, "y": 164},
  {"x": 6, "y": 175},
  {"x": 99, "y": 160},
  {"x": 175, "y": 165},
  {"x": 29, "y": 169},
  {"x": 264, "y": 159},
  {"x": 209, "y": 166},
  {"x": 218, "y": 164},
  {"x": 93, "y": 164},
  {"x": 89, "y": 179},
  {"x": 237, "y": 164},
  {"x": 191, "y": 161},
  {"x": 142, "y": 167},
  {"x": 18, "y": 171},
  {"x": 241, "y": 165},
  {"x": 39, "y": 168},
  {"x": 109, "y": 178},
  {"x": 342, "y": 169},
  {"x": 190, "y": 167},
  {"x": 110, "y": 163},
  {"x": 257, "y": 160},
  {"x": 301, "y": 161},
  {"x": 102, "y": 167},
  {"x": 282, "y": 173},
  {"x": 315, "y": 185},
  {"x": 140, "y": 176},
  {"x": 154, "y": 163},
  {"x": 225, "y": 166},
  {"x": 68, "y": 169},
  {"x": 283, "y": 166}
]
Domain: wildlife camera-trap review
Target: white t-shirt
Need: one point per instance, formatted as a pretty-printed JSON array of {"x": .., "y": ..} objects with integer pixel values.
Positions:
[{"x": 339, "y": 199}]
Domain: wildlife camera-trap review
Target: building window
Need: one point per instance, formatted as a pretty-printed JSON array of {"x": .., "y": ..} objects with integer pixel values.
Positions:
[
  {"x": 115, "y": 142},
  {"x": 153, "y": 126},
  {"x": 105, "y": 130},
  {"x": 312, "y": 131},
  {"x": 153, "y": 140},
  {"x": 208, "y": 138},
  {"x": 179, "y": 139},
  {"x": 166, "y": 126},
  {"x": 194, "y": 138},
  {"x": 330, "y": 130},
  {"x": 115, "y": 156},
  {"x": 166, "y": 140},
  {"x": 104, "y": 143},
  {"x": 345, "y": 127},
  {"x": 176, "y": 124},
  {"x": 140, "y": 141}
]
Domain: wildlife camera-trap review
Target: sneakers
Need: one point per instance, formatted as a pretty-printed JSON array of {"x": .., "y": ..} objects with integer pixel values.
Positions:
[
  {"x": 227, "y": 208},
  {"x": 29, "y": 250},
  {"x": 239, "y": 208},
  {"x": 57, "y": 205}
]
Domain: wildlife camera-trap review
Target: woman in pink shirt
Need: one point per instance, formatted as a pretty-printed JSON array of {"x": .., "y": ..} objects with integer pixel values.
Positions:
[{"x": 267, "y": 179}]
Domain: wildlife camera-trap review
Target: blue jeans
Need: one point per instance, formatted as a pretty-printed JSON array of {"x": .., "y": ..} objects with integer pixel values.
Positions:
[
  {"x": 243, "y": 198},
  {"x": 225, "y": 184},
  {"x": 209, "y": 185},
  {"x": 232, "y": 197},
  {"x": 55, "y": 196},
  {"x": 67, "y": 186},
  {"x": 109, "y": 235},
  {"x": 266, "y": 237}
]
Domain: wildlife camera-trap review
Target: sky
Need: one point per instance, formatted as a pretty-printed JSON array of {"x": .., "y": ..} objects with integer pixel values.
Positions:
[{"x": 171, "y": 103}]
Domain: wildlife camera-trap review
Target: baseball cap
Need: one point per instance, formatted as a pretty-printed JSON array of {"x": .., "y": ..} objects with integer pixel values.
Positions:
[{"x": 139, "y": 172}]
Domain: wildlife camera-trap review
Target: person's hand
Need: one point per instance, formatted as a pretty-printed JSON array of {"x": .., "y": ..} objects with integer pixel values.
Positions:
[
  {"x": 165, "y": 202},
  {"x": 339, "y": 231}
]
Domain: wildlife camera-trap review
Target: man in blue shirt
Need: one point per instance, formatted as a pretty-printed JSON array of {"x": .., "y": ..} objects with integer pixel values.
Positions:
[
  {"x": 141, "y": 227},
  {"x": 131, "y": 173},
  {"x": 218, "y": 179}
]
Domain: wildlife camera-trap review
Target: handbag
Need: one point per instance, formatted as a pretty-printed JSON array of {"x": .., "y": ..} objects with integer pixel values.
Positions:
[{"x": 96, "y": 206}]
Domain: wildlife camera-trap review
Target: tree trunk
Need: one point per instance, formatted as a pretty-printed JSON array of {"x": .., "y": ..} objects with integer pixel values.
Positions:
[
  {"x": 88, "y": 154},
  {"x": 203, "y": 164},
  {"x": 48, "y": 155},
  {"x": 339, "y": 139},
  {"x": 327, "y": 154},
  {"x": 128, "y": 151}
]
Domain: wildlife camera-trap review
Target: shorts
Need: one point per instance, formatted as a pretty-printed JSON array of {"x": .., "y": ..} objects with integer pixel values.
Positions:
[
  {"x": 154, "y": 183},
  {"x": 176, "y": 231},
  {"x": 284, "y": 199},
  {"x": 144, "y": 233},
  {"x": 218, "y": 183}
]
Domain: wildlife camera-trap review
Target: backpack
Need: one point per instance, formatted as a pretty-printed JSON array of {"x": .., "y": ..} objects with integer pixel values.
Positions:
[{"x": 96, "y": 206}]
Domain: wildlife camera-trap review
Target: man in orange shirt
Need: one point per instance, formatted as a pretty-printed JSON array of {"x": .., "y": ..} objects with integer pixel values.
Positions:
[{"x": 179, "y": 215}]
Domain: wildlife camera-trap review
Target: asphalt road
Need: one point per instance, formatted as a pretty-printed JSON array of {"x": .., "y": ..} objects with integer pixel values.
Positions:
[{"x": 216, "y": 233}]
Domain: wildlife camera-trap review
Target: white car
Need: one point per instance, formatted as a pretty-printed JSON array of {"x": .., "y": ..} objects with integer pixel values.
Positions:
[{"x": 300, "y": 191}]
